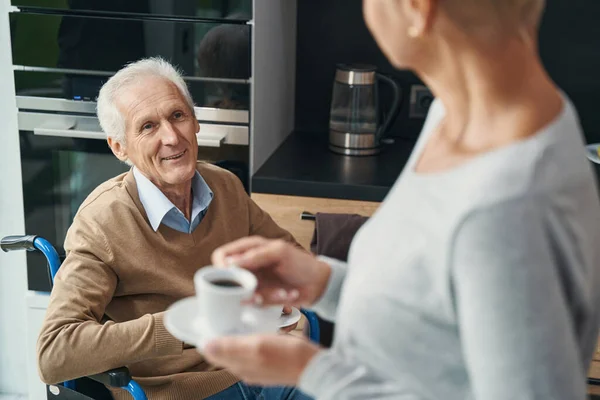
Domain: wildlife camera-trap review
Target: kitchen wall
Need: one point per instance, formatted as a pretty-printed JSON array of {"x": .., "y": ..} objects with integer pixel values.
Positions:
[
  {"x": 333, "y": 31},
  {"x": 570, "y": 48},
  {"x": 13, "y": 269}
]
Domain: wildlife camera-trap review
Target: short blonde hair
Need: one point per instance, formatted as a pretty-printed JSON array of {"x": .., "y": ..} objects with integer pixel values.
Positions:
[{"x": 514, "y": 14}]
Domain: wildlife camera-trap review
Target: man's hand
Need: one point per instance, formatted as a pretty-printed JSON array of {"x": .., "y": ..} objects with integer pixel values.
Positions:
[{"x": 262, "y": 359}]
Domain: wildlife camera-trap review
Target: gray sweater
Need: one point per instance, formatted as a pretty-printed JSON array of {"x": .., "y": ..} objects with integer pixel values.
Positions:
[{"x": 479, "y": 282}]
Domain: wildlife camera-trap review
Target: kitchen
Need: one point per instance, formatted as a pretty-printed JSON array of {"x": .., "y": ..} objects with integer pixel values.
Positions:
[{"x": 276, "y": 139}]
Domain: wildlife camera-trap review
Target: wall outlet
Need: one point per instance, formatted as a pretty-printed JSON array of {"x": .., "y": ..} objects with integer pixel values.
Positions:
[{"x": 420, "y": 101}]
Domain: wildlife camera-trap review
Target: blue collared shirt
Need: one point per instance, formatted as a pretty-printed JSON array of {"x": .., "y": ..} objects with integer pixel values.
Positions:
[{"x": 160, "y": 209}]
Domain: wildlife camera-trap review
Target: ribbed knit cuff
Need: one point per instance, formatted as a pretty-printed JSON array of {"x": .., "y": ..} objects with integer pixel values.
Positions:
[
  {"x": 326, "y": 306},
  {"x": 165, "y": 343}
]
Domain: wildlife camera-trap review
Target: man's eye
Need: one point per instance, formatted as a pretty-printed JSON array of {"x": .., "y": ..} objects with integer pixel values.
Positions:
[
  {"x": 178, "y": 115},
  {"x": 147, "y": 126}
]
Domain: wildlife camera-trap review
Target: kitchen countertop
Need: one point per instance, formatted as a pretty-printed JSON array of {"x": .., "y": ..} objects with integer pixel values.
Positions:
[{"x": 304, "y": 166}]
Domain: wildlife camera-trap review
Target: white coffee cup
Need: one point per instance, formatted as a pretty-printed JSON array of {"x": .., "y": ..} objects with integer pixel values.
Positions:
[{"x": 220, "y": 293}]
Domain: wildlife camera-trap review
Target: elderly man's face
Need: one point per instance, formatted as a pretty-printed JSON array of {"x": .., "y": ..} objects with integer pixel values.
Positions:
[{"x": 161, "y": 132}]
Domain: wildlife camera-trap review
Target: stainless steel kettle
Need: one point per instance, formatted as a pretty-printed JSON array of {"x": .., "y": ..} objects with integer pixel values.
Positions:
[{"x": 354, "y": 121}]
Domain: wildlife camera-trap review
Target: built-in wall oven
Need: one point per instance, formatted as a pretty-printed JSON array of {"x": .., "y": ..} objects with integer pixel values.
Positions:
[{"x": 63, "y": 51}]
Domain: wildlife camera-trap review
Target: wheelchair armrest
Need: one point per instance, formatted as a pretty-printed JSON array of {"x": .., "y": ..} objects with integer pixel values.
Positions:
[{"x": 117, "y": 377}]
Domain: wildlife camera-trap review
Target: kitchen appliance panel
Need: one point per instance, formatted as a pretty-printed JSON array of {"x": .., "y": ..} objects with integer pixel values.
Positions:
[{"x": 231, "y": 9}]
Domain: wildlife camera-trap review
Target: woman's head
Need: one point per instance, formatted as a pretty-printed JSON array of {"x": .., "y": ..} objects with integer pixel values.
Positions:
[{"x": 406, "y": 30}]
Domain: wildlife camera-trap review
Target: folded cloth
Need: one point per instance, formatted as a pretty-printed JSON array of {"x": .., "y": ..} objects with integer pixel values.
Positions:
[
  {"x": 332, "y": 238},
  {"x": 333, "y": 234}
]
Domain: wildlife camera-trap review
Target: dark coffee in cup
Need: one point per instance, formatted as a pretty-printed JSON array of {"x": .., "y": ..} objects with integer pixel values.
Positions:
[
  {"x": 226, "y": 283},
  {"x": 221, "y": 293}
]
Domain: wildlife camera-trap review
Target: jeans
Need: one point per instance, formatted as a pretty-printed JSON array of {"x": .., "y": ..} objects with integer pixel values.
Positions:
[{"x": 241, "y": 391}]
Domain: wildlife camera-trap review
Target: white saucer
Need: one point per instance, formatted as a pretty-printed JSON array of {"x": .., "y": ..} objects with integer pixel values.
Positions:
[
  {"x": 182, "y": 321},
  {"x": 592, "y": 153},
  {"x": 289, "y": 319}
]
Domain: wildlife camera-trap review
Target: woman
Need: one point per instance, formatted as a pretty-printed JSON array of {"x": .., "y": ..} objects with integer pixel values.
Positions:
[{"x": 477, "y": 277}]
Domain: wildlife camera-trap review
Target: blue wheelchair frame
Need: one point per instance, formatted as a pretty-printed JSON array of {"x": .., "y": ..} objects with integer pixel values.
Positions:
[
  {"x": 37, "y": 243},
  {"x": 31, "y": 243}
]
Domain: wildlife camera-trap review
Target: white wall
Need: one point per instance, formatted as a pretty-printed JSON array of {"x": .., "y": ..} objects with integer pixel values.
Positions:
[{"x": 13, "y": 274}]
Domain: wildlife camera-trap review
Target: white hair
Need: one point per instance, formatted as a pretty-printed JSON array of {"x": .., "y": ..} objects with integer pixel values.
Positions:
[{"x": 111, "y": 119}]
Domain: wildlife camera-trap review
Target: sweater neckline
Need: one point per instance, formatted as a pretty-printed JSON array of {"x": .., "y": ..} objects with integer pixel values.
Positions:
[{"x": 190, "y": 239}]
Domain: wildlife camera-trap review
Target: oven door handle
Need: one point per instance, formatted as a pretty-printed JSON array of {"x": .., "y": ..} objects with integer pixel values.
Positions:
[
  {"x": 71, "y": 133},
  {"x": 214, "y": 140}
]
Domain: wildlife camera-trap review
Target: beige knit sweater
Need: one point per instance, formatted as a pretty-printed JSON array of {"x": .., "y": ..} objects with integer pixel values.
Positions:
[{"x": 107, "y": 304}]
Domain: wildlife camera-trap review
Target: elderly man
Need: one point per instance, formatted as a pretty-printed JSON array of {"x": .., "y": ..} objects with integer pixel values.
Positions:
[{"x": 137, "y": 241}]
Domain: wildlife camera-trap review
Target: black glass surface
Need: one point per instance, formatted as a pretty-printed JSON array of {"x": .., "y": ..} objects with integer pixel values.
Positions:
[
  {"x": 210, "y": 50},
  {"x": 235, "y": 9},
  {"x": 86, "y": 87},
  {"x": 71, "y": 56},
  {"x": 58, "y": 174}
]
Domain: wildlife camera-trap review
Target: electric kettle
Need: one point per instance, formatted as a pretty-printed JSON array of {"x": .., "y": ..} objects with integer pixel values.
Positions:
[{"x": 354, "y": 121}]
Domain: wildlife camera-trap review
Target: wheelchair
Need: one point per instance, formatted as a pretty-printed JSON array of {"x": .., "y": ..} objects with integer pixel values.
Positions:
[{"x": 94, "y": 387}]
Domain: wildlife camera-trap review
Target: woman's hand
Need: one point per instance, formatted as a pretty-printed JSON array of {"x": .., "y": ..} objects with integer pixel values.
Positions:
[
  {"x": 286, "y": 274},
  {"x": 263, "y": 359}
]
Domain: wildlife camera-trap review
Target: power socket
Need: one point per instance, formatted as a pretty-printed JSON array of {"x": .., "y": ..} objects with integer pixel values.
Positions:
[{"x": 420, "y": 101}]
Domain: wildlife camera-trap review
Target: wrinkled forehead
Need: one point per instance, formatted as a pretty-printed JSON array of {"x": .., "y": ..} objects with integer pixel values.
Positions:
[{"x": 149, "y": 95}]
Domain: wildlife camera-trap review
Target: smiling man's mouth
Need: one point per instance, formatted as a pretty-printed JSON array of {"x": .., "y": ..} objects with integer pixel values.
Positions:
[{"x": 176, "y": 156}]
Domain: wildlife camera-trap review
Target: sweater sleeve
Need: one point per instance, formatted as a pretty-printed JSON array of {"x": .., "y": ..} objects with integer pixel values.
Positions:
[
  {"x": 513, "y": 304},
  {"x": 341, "y": 372},
  {"x": 74, "y": 341},
  {"x": 327, "y": 305}
]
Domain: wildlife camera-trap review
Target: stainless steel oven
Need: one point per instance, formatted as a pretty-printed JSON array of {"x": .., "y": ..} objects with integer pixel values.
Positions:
[
  {"x": 68, "y": 49},
  {"x": 63, "y": 51}
]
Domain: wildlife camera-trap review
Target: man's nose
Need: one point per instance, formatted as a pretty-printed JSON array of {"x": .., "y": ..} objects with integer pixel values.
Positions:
[{"x": 169, "y": 135}]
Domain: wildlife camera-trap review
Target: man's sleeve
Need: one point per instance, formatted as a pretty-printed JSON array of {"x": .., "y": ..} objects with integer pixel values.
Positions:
[{"x": 73, "y": 341}]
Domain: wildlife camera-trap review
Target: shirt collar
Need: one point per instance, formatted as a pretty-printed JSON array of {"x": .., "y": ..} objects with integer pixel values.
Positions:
[
  {"x": 202, "y": 196},
  {"x": 157, "y": 205}
]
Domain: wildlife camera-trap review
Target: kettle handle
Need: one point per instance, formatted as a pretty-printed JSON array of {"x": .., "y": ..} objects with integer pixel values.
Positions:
[{"x": 394, "y": 108}]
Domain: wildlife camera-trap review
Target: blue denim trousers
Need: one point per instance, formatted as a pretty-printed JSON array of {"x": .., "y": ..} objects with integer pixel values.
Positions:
[{"x": 241, "y": 391}]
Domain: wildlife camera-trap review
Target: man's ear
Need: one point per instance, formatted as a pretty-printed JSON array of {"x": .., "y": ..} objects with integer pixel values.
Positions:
[{"x": 117, "y": 148}]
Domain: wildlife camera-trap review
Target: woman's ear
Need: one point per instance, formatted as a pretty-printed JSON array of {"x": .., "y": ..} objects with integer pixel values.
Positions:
[{"x": 420, "y": 14}]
